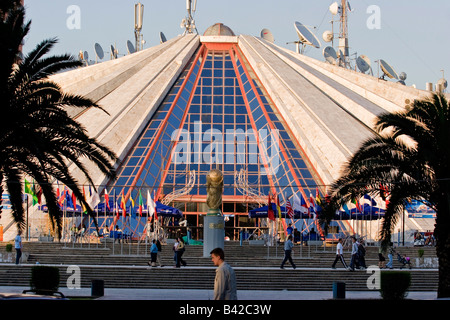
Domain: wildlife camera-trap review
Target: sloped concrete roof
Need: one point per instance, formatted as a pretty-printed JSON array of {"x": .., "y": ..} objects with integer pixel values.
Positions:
[{"x": 330, "y": 110}]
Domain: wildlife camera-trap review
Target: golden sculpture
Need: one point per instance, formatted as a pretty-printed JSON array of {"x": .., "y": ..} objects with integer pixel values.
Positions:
[{"x": 214, "y": 189}]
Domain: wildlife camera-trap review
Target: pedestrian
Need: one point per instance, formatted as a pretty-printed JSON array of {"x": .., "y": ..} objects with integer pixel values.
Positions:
[
  {"x": 158, "y": 256},
  {"x": 354, "y": 260},
  {"x": 179, "y": 253},
  {"x": 391, "y": 252},
  {"x": 361, "y": 255},
  {"x": 153, "y": 254},
  {"x": 289, "y": 229},
  {"x": 381, "y": 258},
  {"x": 339, "y": 255},
  {"x": 288, "y": 245},
  {"x": 225, "y": 280},
  {"x": 18, "y": 246}
]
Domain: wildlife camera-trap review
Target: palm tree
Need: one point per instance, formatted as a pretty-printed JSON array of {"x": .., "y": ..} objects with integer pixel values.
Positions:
[
  {"x": 37, "y": 136},
  {"x": 410, "y": 157}
]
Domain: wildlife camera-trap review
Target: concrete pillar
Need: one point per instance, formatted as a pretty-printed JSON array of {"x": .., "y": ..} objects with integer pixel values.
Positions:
[
  {"x": 213, "y": 233},
  {"x": 429, "y": 86}
]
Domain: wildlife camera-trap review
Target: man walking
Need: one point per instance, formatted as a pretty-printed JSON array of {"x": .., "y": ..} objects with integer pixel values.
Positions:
[
  {"x": 339, "y": 255},
  {"x": 288, "y": 245},
  {"x": 225, "y": 281},
  {"x": 18, "y": 246},
  {"x": 354, "y": 260}
]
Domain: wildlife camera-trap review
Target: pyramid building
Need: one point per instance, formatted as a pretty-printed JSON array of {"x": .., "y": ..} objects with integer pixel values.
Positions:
[{"x": 272, "y": 120}]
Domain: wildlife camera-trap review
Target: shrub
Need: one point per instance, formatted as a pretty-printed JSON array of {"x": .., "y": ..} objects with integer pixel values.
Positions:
[
  {"x": 8, "y": 247},
  {"x": 394, "y": 284},
  {"x": 44, "y": 279},
  {"x": 420, "y": 252}
]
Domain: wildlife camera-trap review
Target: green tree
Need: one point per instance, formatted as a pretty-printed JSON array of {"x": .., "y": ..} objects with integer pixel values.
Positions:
[
  {"x": 410, "y": 157},
  {"x": 37, "y": 136}
]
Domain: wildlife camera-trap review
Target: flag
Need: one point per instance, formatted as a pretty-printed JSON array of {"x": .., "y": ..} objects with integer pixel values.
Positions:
[
  {"x": 300, "y": 204},
  {"x": 270, "y": 213},
  {"x": 30, "y": 190},
  {"x": 318, "y": 201},
  {"x": 356, "y": 203},
  {"x": 39, "y": 195},
  {"x": 150, "y": 205},
  {"x": 69, "y": 201},
  {"x": 123, "y": 206},
  {"x": 312, "y": 203},
  {"x": 107, "y": 199},
  {"x": 132, "y": 207},
  {"x": 289, "y": 210},
  {"x": 82, "y": 204},
  {"x": 74, "y": 201},
  {"x": 62, "y": 196},
  {"x": 94, "y": 198},
  {"x": 278, "y": 207},
  {"x": 57, "y": 189},
  {"x": 141, "y": 203}
]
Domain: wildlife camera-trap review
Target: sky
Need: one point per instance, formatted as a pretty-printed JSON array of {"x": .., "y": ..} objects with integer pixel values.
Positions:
[{"x": 411, "y": 35}]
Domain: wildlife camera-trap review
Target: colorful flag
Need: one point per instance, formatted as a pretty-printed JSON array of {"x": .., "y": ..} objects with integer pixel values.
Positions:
[
  {"x": 123, "y": 205},
  {"x": 356, "y": 203},
  {"x": 62, "y": 196},
  {"x": 74, "y": 201},
  {"x": 312, "y": 203},
  {"x": 289, "y": 210},
  {"x": 82, "y": 204},
  {"x": 30, "y": 190},
  {"x": 107, "y": 199},
  {"x": 270, "y": 213},
  {"x": 278, "y": 207},
  {"x": 141, "y": 203},
  {"x": 132, "y": 207}
]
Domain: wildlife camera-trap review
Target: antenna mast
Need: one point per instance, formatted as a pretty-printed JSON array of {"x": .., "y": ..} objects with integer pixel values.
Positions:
[
  {"x": 188, "y": 23},
  {"x": 138, "y": 22},
  {"x": 343, "y": 34}
]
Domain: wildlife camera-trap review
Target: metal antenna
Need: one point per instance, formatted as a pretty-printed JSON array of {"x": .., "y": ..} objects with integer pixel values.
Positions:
[
  {"x": 188, "y": 23},
  {"x": 138, "y": 22}
]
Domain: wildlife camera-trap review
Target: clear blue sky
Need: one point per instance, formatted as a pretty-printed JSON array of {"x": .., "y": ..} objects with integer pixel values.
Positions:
[{"x": 413, "y": 35}]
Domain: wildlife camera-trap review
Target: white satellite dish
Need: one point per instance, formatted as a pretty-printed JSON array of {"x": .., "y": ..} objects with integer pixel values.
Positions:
[
  {"x": 363, "y": 63},
  {"x": 130, "y": 47},
  {"x": 162, "y": 37},
  {"x": 330, "y": 55},
  {"x": 443, "y": 83},
  {"x": 99, "y": 51},
  {"x": 267, "y": 35},
  {"x": 327, "y": 36},
  {"x": 306, "y": 36},
  {"x": 334, "y": 8},
  {"x": 388, "y": 70}
]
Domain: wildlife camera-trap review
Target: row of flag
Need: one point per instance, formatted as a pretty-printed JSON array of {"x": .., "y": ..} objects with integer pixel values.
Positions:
[
  {"x": 316, "y": 204},
  {"x": 93, "y": 199}
]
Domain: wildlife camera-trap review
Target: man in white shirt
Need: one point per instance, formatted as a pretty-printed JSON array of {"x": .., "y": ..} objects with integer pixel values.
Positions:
[
  {"x": 339, "y": 255},
  {"x": 18, "y": 246}
]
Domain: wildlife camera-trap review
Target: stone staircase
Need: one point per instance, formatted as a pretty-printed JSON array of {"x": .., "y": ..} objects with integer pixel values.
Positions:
[{"x": 257, "y": 267}]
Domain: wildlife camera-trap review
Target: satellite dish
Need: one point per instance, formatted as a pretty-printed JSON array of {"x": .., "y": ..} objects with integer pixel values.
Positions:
[
  {"x": 130, "y": 47},
  {"x": 306, "y": 36},
  {"x": 99, "y": 51},
  {"x": 402, "y": 76},
  {"x": 267, "y": 35},
  {"x": 443, "y": 83},
  {"x": 86, "y": 56},
  {"x": 330, "y": 55},
  {"x": 334, "y": 8},
  {"x": 113, "y": 52},
  {"x": 363, "y": 63},
  {"x": 327, "y": 36},
  {"x": 162, "y": 37},
  {"x": 388, "y": 70}
]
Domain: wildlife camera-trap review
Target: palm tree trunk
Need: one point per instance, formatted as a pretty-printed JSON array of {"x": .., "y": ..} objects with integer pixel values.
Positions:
[{"x": 442, "y": 233}]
